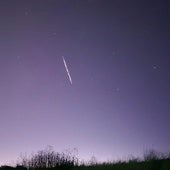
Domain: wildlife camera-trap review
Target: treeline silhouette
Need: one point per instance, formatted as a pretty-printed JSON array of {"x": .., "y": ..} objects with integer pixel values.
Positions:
[{"x": 50, "y": 160}]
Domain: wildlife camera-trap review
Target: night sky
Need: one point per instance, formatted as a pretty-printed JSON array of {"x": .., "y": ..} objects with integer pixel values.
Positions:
[{"x": 118, "y": 56}]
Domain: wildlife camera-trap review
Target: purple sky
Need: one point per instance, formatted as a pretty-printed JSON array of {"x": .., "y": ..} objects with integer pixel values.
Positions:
[{"x": 118, "y": 55}]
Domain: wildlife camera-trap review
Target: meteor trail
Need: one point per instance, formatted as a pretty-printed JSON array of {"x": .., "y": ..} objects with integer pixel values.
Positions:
[{"x": 69, "y": 76}]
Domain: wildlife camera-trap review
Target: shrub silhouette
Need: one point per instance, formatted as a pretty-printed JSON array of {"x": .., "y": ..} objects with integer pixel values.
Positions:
[
  {"x": 19, "y": 167},
  {"x": 150, "y": 155},
  {"x": 5, "y": 167},
  {"x": 48, "y": 159}
]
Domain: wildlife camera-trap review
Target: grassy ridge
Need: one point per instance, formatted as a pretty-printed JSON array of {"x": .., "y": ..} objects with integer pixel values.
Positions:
[{"x": 163, "y": 164}]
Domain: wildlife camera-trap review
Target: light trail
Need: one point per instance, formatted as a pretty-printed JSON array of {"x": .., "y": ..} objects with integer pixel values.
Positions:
[{"x": 68, "y": 73}]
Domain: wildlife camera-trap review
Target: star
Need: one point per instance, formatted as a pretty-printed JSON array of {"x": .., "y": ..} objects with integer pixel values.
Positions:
[{"x": 155, "y": 67}]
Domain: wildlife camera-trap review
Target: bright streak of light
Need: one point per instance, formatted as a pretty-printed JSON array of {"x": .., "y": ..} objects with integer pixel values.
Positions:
[{"x": 68, "y": 73}]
